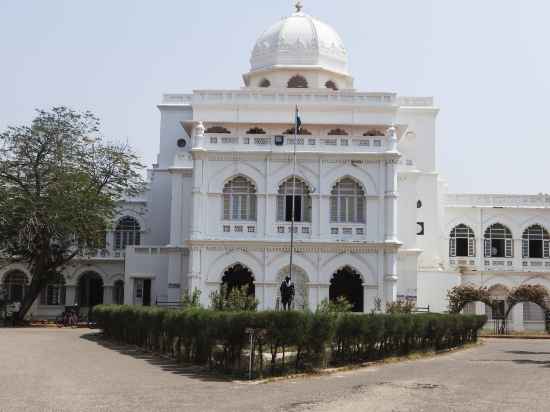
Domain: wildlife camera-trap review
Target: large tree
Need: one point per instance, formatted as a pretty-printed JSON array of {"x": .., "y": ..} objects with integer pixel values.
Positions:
[{"x": 61, "y": 183}]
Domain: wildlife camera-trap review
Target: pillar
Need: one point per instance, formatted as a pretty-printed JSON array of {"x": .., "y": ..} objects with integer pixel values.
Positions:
[
  {"x": 370, "y": 293},
  {"x": 390, "y": 277},
  {"x": 516, "y": 318},
  {"x": 107, "y": 295},
  {"x": 70, "y": 295}
]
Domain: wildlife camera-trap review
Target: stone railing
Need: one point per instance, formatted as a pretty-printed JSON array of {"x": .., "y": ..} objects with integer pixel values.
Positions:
[
  {"x": 374, "y": 144},
  {"x": 415, "y": 101},
  {"x": 469, "y": 200}
]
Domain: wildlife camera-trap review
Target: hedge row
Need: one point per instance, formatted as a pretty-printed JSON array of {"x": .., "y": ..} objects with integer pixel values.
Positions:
[{"x": 290, "y": 340}]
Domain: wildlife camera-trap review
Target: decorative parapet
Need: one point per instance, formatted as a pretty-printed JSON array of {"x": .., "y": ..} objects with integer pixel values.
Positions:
[
  {"x": 491, "y": 200},
  {"x": 415, "y": 101},
  {"x": 278, "y": 96}
]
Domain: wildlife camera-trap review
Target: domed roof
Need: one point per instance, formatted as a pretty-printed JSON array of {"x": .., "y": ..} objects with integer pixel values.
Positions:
[{"x": 300, "y": 40}]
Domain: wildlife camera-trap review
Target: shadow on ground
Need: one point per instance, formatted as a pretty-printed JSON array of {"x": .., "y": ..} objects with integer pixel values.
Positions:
[{"x": 166, "y": 364}]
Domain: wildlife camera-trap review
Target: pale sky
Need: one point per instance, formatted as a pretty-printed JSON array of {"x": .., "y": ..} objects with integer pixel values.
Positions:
[{"x": 486, "y": 62}]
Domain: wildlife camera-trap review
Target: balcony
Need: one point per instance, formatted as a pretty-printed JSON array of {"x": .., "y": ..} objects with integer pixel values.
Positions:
[{"x": 268, "y": 143}]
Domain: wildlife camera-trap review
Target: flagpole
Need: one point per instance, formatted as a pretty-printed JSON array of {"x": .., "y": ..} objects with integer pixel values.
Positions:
[{"x": 293, "y": 190}]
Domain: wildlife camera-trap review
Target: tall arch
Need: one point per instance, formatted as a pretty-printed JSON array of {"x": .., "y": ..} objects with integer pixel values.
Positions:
[
  {"x": 462, "y": 241},
  {"x": 127, "y": 233},
  {"x": 498, "y": 241},
  {"x": 347, "y": 202},
  {"x": 348, "y": 283},
  {"x": 15, "y": 284},
  {"x": 90, "y": 289},
  {"x": 239, "y": 199},
  {"x": 294, "y": 201},
  {"x": 535, "y": 242}
]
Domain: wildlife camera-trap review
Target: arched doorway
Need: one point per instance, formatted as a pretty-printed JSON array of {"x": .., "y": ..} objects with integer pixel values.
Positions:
[
  {"x": 348, "y": 284},
  {"x": 238, "y": 276},
  {"x": 300, "y": 279},
  {"x": 90, "y": 290},
  {"x": 15, "y": 284}
]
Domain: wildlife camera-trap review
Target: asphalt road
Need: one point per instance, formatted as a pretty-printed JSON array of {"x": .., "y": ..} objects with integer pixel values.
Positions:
[{"x": 70, "y": 370}]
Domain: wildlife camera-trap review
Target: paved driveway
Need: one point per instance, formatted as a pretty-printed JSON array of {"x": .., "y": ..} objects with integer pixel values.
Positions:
[{"x": 68, "y": 370}]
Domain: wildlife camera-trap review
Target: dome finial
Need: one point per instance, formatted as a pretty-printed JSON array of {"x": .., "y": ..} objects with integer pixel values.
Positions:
[{"x": 299, "y": 6}]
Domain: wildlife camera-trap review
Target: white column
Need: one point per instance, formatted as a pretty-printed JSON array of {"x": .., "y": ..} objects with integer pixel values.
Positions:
[
  {"x": 370, "y": 293},
  {"x": 196, "y": 228},
  {"x": 318, "y": 215},
  {"x": 70, "y": 295},
  {"x": 516, "y": 321},
  {"x": 390, "y": 277},
  {"x": 107, "y": 295},
  {"x": 194, "y": 277},
  {"x": 390, "y": 201}
]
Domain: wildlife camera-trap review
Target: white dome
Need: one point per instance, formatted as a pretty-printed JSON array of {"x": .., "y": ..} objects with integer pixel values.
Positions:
[{"x": 300, "y": 40}]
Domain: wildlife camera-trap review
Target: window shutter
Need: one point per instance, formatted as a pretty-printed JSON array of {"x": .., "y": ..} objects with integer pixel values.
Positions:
[
  {"x": 487, "y": 247},
  {"x": 226, "y": 207},
  {"x": 508, "y": 248},
  {"x": 280, "y": 208},
  {"x": 333, "y": 209},
  {"x": 307, "y": 208},
  {"x": 525, "y": 248},
  {"x": 253, "y": 207},
  {"x": 361, "y": 210},
  {"x": 546, "y": 249},
  {"x": 471, "y": 247},
  {"x": 452, "y": 247}
]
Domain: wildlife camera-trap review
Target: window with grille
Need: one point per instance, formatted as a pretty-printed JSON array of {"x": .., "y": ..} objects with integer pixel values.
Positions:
[
  {"x": 239, "y": 200},
  {"x": 296, "y": 188},
  {"x": 498, "y": 242},
  {"x": 54, "y": 294},
  {"x": 347, "y": 202},
  {"x": 15, "y": 285},
  {"x": 127, "y": 233},
  {"x": 462, "y": 242},
  {"x": 118, "y": 292},
  {"x": 535, "y": 242}
]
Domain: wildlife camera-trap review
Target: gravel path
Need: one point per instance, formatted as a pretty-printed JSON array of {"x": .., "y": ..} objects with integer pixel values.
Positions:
[{"x": 69, "y": 370}]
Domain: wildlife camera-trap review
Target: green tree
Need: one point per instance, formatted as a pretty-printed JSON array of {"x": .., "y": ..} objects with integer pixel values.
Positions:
[{"x": 60, "y": 187}]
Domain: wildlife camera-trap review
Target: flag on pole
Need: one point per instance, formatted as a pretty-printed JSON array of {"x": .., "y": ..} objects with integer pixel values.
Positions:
[{"x": 298, "y": 121}]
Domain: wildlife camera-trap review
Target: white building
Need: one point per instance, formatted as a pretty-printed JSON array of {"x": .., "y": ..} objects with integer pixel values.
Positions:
[{"x": 373, "y": 221}]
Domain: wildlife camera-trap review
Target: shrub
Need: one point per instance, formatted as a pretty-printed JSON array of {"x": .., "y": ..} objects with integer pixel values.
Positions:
[{"x": 219, "y": 339}]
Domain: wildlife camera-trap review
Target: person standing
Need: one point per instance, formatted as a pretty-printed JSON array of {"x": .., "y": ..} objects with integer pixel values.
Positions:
[{"x": 287, "y": 293}]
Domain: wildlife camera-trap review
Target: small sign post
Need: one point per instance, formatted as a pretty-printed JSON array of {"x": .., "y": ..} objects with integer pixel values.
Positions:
[{"x": 253, "y": 333}]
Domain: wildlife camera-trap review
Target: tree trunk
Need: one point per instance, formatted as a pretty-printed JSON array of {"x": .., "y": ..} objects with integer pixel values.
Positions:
[{"x": 32, "y": 294}]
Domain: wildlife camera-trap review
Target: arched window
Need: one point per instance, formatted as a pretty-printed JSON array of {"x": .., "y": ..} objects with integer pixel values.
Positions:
[
  {"x": 297, "y": 82},
  {"x": 127, "y": 233},
  {"x": 90, "y": 289},
  {"x": 256, "y": 130},
  {"x": 301, "y": 131},
  {"x": 265, "y": 83},
  {"x": 118, "y": 292},
  {"x": 294, "y": 187},
  {"x": 535, "y": 242},
  {"x": 239, "y": 200},
  {"x": 347, "y": 202},
  {"x": 462, "y": 242},
  {"x": 217, "y": 129},
  {"x": 338, "y": 132},
  {"x": 15, "y": 285},
  {"x": 331, "y": 85},
  {"x": 54, "y": 294},
  {"x": 498, "y": 241}
]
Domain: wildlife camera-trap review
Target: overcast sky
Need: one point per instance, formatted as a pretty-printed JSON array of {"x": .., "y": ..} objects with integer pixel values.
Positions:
[{"x": 487, "y": 63}]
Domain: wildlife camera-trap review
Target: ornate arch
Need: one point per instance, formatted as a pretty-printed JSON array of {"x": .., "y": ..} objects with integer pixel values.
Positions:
[
  {"x": 332, "y": 265},
  {"x": 15, "y": 267},
  {"x": 219, "y": 178},
  {"x": 221, "y": 264},
  {"x": 362, "y": 176}
]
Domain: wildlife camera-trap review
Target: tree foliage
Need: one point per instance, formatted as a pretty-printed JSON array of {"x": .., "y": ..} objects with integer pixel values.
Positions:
[
  {"x": 400, "y": 306},
  {"x": 460, "y": 295},
  {"x": 236, "y": 299},
  {"x": 528, "y": 293},
  {"x": 60, "y": 184}
]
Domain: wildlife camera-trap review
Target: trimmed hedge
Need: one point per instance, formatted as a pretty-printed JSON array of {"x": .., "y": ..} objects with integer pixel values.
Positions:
[{"x": 313, "y": 340}]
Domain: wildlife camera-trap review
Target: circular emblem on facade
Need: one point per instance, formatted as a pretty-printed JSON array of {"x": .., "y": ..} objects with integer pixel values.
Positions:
[{"x": 182, "y": 142}]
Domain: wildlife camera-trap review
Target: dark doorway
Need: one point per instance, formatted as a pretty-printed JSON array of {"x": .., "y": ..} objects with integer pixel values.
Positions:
[
  {"x": 297, "y": 208},
  {"x": 535, "y": 249},
  {"x": 147, "y": 292},
  {"x": 498, "y": 248},
  {"x": 237, "y": 277},
  {"x": 462, "y": 247},
  {"x": 90, "y": 290},
  {"x": 348, "y": 284}
]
